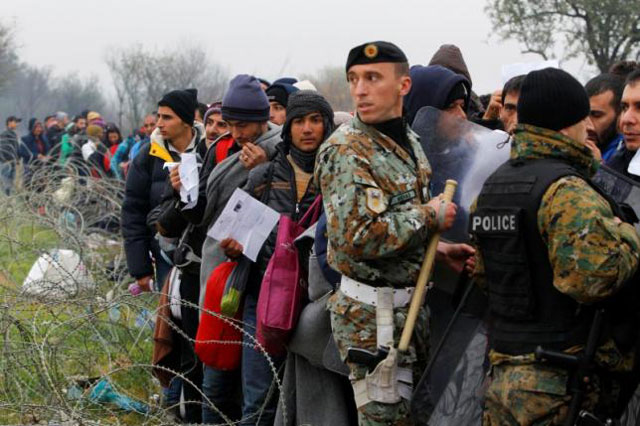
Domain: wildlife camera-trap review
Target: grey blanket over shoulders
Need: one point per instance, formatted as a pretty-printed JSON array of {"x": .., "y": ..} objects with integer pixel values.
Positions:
[
  {"x": 223, "y": 180},
  {"x": 315, "y": 387}
]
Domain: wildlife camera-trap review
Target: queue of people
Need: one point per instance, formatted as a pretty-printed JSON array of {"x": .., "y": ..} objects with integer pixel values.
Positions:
[{"x": 562, "y": 257}]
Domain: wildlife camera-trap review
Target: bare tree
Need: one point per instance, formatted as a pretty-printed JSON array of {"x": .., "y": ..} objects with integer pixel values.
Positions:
[
  {"x": 602, "y": 31},
  {"x": 72, "y": 94},
  {"x": 186, "y": 66},
  {"x": 127, "y": 67},
  {"x": 331, "y": 82},
  {"x": 30, "y": 90},
  {"x": 8, "y": 58},
  {"x": 141, "y": 77}
]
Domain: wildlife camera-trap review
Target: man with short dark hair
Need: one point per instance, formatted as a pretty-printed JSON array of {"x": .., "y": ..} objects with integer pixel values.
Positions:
[
  {"x": 9, "y": 144},
  {"x": 200, "y": 111},
  {"x": 605, "y": 92},
  {"x": 177, "y": 133},
  {"x": 508, "y": 108},
  {"x": 148, "y": 126},
  {"x": 53, "y": 134},
  {"x": 73, "y": 140},
  {"x": 146, "y": 180},
  {"x": 630, "y": 127},
  {"x": 374, "y": 178}
]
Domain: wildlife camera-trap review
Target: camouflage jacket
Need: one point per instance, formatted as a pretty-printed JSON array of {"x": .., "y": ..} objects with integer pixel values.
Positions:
[
  {"x": 375, "y": 201},
  {"x": 591, "y": 254}
]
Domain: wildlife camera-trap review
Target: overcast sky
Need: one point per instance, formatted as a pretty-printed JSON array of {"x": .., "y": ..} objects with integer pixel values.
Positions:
[{"x": 264, "y": 38}]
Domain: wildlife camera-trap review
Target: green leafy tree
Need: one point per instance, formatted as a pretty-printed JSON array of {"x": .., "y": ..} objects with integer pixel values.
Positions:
[{"x": 602, "y": 31}]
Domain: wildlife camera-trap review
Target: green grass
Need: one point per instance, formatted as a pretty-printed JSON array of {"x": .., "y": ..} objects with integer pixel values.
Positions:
[{"x": 44, "y": 345}]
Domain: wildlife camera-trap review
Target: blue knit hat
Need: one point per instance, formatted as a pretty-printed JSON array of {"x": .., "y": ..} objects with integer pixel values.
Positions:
[
  {"x": 245, "y": 100},
  {"x": 286, "y": 80}
]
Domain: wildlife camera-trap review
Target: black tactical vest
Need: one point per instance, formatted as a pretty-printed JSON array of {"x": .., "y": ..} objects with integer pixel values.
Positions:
[{"x": 527, "y": 310}]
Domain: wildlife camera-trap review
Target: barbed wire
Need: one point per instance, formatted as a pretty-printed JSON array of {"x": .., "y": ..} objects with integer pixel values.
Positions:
[{"x": 76, "y": 326}]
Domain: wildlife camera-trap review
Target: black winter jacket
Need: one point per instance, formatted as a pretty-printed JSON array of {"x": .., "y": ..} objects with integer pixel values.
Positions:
[
  {"x": 8, "y": 146},
  {"x": 175, "y": 222},
  {"x": 619, "y": 162},
  {"x": 144, "y": 188},
  {"x": 274, "y": 184}
]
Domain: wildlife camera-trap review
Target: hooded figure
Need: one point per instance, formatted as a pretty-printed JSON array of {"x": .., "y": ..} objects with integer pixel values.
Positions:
[
  {"x": 289, "y": 173},
  {"x": 450, "y": 56},
  {"x": 434, "y": 86},
  {"x": 440, "y": 88},
  {"x": 286, "y": 185},
  {"x": 34, "y": 145}
]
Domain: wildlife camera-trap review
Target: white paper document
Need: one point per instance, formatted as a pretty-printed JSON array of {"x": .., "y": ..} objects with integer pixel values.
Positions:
[
  {"x": 189, "y": 179},
  {"x": 247, "y": 221}
]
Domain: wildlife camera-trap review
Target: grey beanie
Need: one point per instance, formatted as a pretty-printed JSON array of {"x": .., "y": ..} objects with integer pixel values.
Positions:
[{"x": 305, "y": 102}]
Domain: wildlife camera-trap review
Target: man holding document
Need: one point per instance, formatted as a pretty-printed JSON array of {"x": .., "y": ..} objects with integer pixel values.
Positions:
[
  {"x": 245, "y": 108},
  {"x": 283, "y": 185}
]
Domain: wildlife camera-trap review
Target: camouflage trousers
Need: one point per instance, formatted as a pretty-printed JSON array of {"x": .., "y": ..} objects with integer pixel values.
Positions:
[
  {"x": 529, "y": 395},
  {"x": 354, "y": 326}
]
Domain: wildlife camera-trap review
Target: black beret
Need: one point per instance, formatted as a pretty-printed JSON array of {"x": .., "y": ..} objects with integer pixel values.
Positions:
[{"x": 375, "y": 52}]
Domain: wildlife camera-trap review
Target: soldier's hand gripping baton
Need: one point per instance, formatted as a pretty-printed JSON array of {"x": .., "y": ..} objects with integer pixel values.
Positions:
[{"x": 423, "y": 278}]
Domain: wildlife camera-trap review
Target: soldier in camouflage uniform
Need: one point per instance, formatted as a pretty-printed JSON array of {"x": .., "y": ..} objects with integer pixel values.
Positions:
[
  {"x": 374, "y": 178},
  {"x": 549, "y": 246}
]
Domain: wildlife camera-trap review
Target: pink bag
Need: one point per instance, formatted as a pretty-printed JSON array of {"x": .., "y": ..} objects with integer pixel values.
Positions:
[{"x": 283, "y": 284}]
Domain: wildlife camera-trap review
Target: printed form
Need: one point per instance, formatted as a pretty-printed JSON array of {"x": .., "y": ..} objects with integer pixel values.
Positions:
[{"x": 247, "y": 221}]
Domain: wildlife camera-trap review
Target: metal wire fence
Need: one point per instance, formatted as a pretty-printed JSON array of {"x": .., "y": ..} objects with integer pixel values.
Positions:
[{"x": 75, "y": 344}]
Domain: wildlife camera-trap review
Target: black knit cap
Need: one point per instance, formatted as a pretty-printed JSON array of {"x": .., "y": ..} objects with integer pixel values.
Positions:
[
  {"x": 459, "y": 91},
  {"x": 183, "y": 103},
  {"x": 305, "y": 102},
  {"x": 375, "y": 52},
  {"x": 279, "y": 92},
  {"x": 552, "y": 99}
]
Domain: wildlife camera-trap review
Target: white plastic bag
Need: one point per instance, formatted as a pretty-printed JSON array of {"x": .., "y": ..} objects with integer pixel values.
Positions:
[{"x": 58, "y": 274}]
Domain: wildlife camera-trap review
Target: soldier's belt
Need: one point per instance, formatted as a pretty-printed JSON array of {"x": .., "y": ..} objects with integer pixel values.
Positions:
[{"x": 367, "y": 294}]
